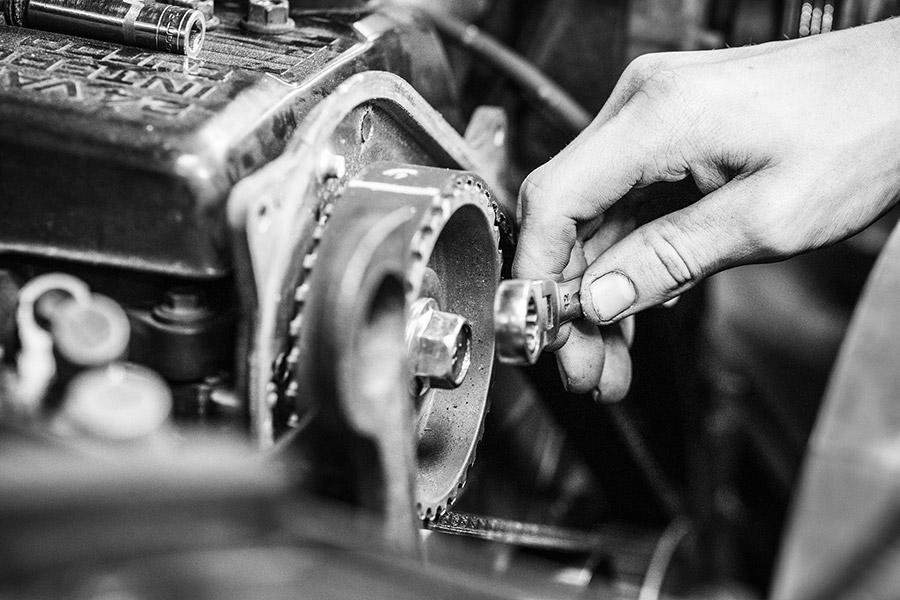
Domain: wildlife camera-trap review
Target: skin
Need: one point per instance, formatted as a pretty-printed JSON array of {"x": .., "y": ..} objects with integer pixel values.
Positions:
[{"x": 793, "y": 144}]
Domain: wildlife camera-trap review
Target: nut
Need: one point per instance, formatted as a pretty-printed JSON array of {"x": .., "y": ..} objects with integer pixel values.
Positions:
[
  {"x": 439, "y": 345},
  {"x": 183, "y": 305},
  {"x": 268, "y": 16}
]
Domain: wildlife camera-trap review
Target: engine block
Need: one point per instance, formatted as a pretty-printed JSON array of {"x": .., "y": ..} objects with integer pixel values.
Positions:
[{"x": 116, "y": 156}]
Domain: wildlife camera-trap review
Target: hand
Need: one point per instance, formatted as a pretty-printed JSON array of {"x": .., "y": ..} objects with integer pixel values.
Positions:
[{"x": 794, "y": 145}]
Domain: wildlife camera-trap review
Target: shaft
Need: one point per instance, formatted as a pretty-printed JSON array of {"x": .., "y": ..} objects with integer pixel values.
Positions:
[{"x": 150, "y": 25}]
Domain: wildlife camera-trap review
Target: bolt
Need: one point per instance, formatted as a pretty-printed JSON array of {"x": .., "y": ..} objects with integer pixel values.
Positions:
[
  {"x": 182, "y": 305},
  {"x": 439, "y": 345},
  {"x": 183, "y": 299},
  {"x": 268, "y": 16}
]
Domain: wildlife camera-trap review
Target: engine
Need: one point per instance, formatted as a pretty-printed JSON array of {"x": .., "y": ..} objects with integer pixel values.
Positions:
[{"x": 249, "y": 255}]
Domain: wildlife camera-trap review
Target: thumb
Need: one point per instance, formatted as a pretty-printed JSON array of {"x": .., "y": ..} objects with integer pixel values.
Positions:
[{"x": 665, "y": 257}]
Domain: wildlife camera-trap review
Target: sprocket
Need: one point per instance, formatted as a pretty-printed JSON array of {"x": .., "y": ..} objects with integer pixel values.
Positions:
[{"x": 444, "y": 225}]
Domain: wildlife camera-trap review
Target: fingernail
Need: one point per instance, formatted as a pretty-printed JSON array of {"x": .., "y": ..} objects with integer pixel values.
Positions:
[{"x": 612, "y": 294}]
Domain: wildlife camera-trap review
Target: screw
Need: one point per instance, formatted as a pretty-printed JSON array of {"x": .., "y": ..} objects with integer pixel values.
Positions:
[
  {"x": 439, "y": 345},
  {"x": 268, "y": 16}
]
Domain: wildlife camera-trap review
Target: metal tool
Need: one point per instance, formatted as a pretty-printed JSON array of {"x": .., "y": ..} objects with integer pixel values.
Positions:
[
  {"x": 151, "y": 25},
  {"x": 528, "y": 314}
]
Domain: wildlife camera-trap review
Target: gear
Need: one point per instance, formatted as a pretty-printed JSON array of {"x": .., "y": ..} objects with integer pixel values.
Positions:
[{"x": 448, "y": 232}]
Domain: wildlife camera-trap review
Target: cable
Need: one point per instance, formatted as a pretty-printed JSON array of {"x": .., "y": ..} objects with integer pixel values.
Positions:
[
  {"x": 549, "y": 97},
  {"x": 665, "y": 549}
]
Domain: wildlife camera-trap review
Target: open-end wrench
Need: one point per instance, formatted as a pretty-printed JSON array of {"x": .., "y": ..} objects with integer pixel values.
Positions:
[{"x": 528, "y": 314}]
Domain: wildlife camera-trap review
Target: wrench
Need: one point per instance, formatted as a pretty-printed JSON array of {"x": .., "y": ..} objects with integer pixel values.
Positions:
[{"x": 528, "y": 314}]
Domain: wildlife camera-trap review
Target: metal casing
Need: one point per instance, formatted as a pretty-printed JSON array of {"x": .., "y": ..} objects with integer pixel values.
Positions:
[{"x": 115, "y": 156}]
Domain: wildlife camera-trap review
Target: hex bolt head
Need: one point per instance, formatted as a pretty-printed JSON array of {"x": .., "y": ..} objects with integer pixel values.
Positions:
[
  {"x": 439, "y": 345},
  {"x": 268, "y": 16}
]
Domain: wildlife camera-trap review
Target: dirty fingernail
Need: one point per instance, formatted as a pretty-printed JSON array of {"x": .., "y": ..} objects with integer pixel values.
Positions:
[{"x": 611, "y": 295}]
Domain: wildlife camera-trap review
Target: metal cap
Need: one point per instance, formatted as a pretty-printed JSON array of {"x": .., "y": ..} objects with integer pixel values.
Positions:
[{"x": 123, "y": 401}]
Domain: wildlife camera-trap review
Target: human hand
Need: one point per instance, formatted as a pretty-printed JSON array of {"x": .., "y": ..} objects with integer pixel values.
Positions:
[{"x": 793, "y": 145}]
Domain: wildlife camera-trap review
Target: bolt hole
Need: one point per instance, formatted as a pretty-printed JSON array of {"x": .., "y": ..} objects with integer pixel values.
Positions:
[
  {"x": 195, "y": 38},
  {"x": 366, "y": 126}
]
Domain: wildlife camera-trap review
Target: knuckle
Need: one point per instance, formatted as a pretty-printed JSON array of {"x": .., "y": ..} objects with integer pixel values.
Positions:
[
  {"x": 533, "y": 190},
  {"x": 640, "y": 68},
  {"x": 533, "y": 185},
  {"x": 645, "y": 66},
  {"x": 674, "y": 264},
  {"x": 666, "y": 84},
  {"x": 663, "y": 106}
]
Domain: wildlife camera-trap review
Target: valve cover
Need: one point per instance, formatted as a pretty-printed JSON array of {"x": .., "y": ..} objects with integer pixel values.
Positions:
[{"x": 116, "y": 156}]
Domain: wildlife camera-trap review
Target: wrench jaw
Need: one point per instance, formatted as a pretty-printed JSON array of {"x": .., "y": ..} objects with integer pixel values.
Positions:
[{"x": 525, "y": 320}]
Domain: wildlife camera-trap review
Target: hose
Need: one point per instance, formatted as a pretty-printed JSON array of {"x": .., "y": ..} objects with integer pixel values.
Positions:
[{"x": 550, "y": 98}]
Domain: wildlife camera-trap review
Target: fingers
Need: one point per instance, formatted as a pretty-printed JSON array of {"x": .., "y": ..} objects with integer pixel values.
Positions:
[
  {"x": 665, "y": 257},
  {"x": 582, "y": 360},
  {"x": 640, "y": 70},
  {"x": 597, "y": 360},
  {"x": 633, "y": 149},
  {"x": 615, "y": 379},
  {"x": 652, "y": 128},
  {"x": 580, "y": 352}
]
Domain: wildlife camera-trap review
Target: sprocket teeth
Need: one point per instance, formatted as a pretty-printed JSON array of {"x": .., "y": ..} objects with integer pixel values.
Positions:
[
  {"x": 282, "y": 382},
  {"x": 301, "y": 293},
  {"x": 433, "y": 512},
  {"x": 296, "y": 325}
]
